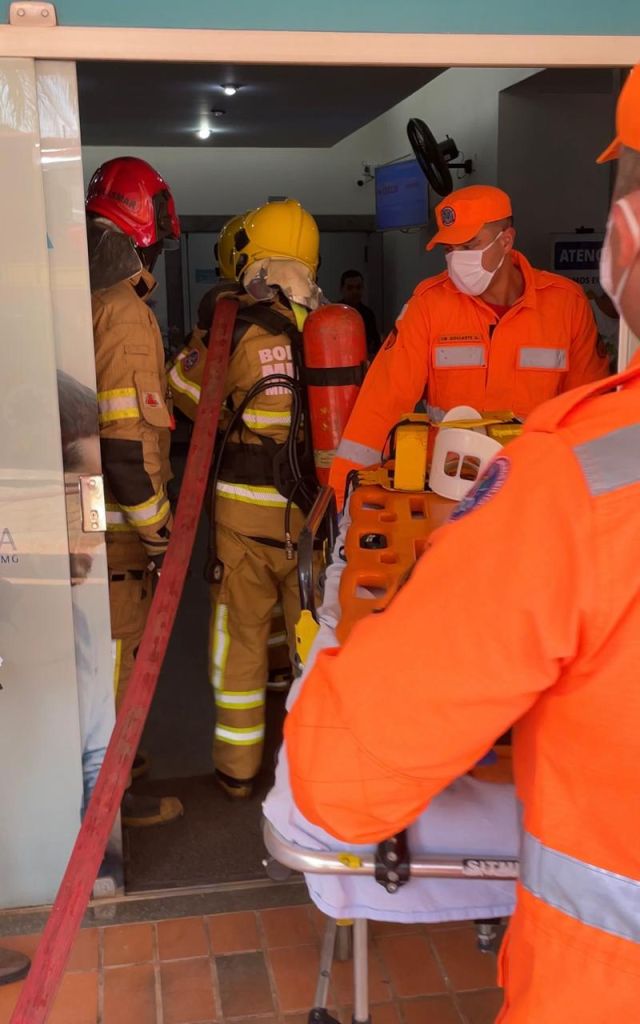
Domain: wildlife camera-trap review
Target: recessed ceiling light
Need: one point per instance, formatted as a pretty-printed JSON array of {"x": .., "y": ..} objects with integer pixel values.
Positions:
[
  {"x": 204, "y": 132},
  {"x": 230, "y": 90}
]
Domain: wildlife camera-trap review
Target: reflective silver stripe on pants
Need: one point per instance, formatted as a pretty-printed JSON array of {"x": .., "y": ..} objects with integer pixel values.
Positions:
[
  {"x": 611, "y": 461},
  {"x": 598, "y": 898},
  {"x": 361, "y": 454},
  {"x": 542, "y": 358},
  {"x": 460, "y": 355}
]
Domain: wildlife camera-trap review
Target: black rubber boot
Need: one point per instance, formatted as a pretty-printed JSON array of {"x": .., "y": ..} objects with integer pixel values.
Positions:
[
  {"x": 13, "y": 966},
  {"x": 140, "y": 811},
  {"x": 236, "y": 789}
]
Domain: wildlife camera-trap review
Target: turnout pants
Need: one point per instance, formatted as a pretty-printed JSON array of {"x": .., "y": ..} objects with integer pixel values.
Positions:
[
  {"x": 280, "y": 666},
  {"x": 253, "y": 579},
  {"x": 130, "y": 595}
]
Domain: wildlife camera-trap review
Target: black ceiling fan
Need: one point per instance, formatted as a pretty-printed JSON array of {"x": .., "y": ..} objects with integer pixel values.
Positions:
[{"x": 435, "y": 158}]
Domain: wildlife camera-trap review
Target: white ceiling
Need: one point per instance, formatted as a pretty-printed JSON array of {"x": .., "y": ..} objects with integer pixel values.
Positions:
[{"x": 158, "y": 104}]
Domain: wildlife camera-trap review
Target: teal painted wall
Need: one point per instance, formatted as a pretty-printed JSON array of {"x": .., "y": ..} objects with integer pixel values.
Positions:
[{"x": 558, "y": 17}]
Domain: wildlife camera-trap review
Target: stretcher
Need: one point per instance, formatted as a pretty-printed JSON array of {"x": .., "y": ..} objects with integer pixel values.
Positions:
[
  {"x": 391, "y": 867},
  {"x": 458, "y": 861}
]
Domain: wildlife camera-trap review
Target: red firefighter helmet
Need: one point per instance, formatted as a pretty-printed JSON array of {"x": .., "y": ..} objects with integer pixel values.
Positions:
[{"x": 131, "y": 194}]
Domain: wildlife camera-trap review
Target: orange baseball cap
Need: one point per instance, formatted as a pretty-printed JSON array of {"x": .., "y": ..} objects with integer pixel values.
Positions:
[
  {"x": 627, "y": 118},
  {"x": 462, "y": 214}
]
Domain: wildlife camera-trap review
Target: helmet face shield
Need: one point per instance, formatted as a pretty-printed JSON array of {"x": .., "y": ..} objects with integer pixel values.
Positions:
[
  {"x": 225, "y": 248},
  {"x": 167, "y": 224},
  {"x": 240, "y": 258}
]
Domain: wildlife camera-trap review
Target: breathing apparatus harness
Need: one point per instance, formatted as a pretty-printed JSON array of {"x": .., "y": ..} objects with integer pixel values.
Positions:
[{"x": 289, "y": 466}]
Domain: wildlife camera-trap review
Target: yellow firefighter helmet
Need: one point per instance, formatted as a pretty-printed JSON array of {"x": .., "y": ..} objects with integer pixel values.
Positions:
[
  {"x": 224, "y": 247},
  {"x": 279, "y": 230}
]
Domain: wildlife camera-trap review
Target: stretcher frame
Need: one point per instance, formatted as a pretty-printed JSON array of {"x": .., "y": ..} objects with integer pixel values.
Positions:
[{"x": 290, "y": 855}]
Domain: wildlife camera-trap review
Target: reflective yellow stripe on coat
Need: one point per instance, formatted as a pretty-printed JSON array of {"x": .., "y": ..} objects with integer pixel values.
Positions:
[{"x": 117, "y": 404}]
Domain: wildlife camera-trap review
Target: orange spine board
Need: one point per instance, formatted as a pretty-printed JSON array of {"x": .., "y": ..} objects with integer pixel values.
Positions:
[{"x": 389, "y": 531}]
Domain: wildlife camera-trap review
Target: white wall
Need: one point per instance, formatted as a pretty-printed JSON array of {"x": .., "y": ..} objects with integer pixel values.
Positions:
[
  {"x": 461, "y": 102},
  {"x": 221, "y": 181}
]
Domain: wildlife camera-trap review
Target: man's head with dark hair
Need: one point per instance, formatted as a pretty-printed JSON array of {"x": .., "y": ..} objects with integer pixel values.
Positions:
[
  {"x": 80, "y": 457},
  {"x": 78, "y": 421},
  {"x": 351, "y": 287}
]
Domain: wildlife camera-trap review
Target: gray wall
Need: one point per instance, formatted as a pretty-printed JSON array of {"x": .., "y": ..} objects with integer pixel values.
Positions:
[{"x": 551, "y": 128}]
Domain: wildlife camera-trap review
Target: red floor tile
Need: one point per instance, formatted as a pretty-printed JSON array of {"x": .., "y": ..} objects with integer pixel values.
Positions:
[
  {"x": 342, "y": 980},
  {"x": 466, "y": 967},
  {"x": 261, "y": 1020},
  {"x": 383, "y": 1013},
  {"x": 77, "y": 1000},
  {"x": 187, "y": 991},
  {"x": 435, "y": 1010},
  {"x": 244, "y": 985},
  {"x": 289, "y": 926},
  {"x": 185, "y": 937},
  {"x": 23, "y": 943},
  {"x": 318, "y": 919},
  {"x": 130, "y": 995},
  {"x": 8, "y": 999},
  {"x": 234, "y": 933},
  {"x": 84, "y": 955},
  {"x": 295, "y": 969},
  {"x": 128, "y": 944},
  {"x": 410, "y": 964},
  {"x": 394, "y": 928},
  {"x": 481, "y": 1007}
]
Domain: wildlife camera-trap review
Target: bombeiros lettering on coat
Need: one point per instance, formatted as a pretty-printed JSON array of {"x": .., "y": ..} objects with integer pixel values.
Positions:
[{"x": 277, "y": 359}]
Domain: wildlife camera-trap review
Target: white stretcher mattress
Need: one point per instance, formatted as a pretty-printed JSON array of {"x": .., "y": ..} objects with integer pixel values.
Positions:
[{"x": 470, "y": 818}]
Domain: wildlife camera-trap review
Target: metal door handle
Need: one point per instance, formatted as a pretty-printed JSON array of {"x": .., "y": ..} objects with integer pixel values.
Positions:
[{"x": 91, "y": 491}]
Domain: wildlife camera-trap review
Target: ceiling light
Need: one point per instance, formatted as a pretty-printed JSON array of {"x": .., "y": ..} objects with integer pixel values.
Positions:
[
  {"x": 230, "y": 90},
  {"x": 204, "y": 132},
  {"x": 218, "y": 112}
]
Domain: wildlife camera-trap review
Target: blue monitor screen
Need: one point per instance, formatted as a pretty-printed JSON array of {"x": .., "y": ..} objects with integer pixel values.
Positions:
[{"x": 401, "y": 196}]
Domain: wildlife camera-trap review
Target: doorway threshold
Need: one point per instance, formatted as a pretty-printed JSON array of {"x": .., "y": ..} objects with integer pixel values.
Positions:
[{"x": 192, "y": 901}]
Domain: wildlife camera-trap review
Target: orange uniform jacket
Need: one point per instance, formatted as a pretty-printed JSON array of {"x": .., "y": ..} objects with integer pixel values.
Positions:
[
  {"x": 451, "y": 349},
  {"x": 538, "y": 624}
]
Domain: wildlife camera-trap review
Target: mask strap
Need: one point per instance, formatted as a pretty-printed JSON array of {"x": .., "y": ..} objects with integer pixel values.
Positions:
[{"x": 630, "y": 218}]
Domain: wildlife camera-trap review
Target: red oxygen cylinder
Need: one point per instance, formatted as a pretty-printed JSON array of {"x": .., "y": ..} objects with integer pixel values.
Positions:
[{"x": 335, "y": 358}]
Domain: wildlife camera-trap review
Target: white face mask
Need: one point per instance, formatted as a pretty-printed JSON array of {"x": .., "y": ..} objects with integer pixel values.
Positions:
[
  {"x": 466, "y": 270},
  {"x": 606, "y": 256}
]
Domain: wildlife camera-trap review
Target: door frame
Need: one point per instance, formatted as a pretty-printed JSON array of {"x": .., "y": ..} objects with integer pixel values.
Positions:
[{"x": 385, "y": 49}]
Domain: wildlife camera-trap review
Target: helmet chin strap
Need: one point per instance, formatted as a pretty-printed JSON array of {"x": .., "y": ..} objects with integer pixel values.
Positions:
[{"x": 149, "y": 255}]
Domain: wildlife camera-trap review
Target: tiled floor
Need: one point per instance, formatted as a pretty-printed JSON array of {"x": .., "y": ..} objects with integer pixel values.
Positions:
[{"x": 262, "y": 966}]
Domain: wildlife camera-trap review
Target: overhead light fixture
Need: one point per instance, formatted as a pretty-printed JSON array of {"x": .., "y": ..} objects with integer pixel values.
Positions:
[
  {"x": 230, "y": 90},
  {"x": 204, "y": 132},
  {"x": 218, "y": 111}
]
